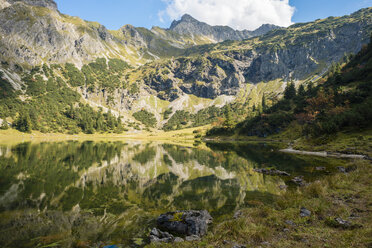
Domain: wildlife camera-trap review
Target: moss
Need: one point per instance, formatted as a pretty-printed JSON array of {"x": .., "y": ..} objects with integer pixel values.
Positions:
[{"x": 177, "y": 216}]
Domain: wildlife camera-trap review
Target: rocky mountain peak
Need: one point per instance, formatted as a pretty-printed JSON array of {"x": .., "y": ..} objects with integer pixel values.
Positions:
[
  {"x": 40, "y": 3},
  {"x": 188, "y": 18},
  {"x": 188, "y": 25}
]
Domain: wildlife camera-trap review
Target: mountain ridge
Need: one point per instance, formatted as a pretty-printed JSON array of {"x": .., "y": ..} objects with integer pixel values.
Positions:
[
  {"x": 189, "y": 25},
  {"x": 139, "y": 72}
]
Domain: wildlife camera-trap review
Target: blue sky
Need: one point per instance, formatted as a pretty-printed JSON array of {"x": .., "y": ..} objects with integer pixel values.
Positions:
[{"x": 145, "y": 13}]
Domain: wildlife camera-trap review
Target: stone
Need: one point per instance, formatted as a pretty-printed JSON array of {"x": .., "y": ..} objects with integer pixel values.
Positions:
[
  {"x": 186, "y": 223},
  {"x": 299, "y": 181},
  {"x": 305, "y": 212},
  {"x": 320, "y": 168},
  {"x": 237, "y": 214},
  {"x": 192, "y": 238},
  {"x": 342, "y": 223},
  {"x": 341, "y": 169},
  {"x": 272, "y": 172},
  {"x": 289, "y": 222},
  {"x": 178, "y": 240},
  {"x": 157, "y": 236}
]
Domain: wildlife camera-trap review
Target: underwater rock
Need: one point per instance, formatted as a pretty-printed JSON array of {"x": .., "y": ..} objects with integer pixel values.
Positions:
[{"x": 272, "y": 172}]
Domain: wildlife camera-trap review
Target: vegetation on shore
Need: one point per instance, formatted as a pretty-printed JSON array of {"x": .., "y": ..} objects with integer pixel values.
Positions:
[
  {"x": 278, "y": 224},
  {"x": 317, "y": 115}
]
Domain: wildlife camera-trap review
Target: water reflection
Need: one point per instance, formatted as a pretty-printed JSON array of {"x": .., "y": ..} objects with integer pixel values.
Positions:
[{"x": 65, "y": 192}]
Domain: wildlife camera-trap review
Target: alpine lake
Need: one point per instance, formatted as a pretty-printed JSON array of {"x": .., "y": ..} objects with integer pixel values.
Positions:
[{"x": 66, "y": 194}]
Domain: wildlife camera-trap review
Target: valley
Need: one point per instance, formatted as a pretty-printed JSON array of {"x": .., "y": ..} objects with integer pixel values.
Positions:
[{"x": 102, "y": 132}]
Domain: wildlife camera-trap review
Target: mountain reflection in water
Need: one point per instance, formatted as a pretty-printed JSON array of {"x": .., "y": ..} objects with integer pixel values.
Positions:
[{"x": 113, "y": 191}]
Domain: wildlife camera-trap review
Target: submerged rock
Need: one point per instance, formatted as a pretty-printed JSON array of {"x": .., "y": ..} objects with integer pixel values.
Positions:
[
  {"x": 272, "y": 172},
  {"x": 185, "y": 223}
]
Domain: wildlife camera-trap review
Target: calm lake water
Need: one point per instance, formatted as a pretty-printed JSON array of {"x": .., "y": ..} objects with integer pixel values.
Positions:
[{"x": 74, "y": 193}]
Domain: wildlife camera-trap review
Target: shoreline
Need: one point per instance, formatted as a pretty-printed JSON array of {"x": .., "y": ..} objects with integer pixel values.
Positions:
[
  {"x": 184, "y": 137},
  {"x": 324, "y": 154}
]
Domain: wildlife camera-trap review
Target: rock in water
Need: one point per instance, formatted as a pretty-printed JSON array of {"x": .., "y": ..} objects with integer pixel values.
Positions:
[
  {"x": 185, "y": 223},
  {"x": 272, "y": 172}
]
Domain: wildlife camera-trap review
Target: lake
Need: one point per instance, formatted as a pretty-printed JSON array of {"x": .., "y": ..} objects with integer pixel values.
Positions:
[{"x": 99, "y": 193}]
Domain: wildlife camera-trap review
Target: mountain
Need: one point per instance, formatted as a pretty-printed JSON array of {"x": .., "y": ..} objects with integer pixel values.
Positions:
[
  {"x": 34, "y": 32},
  {"x": 301, "y": 52},
  {"x": 190, "y": 26},
  {"x": 159, "y": 78},
  {"x": 340, "y": 103}
]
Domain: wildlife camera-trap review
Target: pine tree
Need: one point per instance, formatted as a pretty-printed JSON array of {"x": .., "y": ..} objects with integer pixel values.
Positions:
[
  {"x": 290, "y": 91},
  {"x": 301, "y": 90},
  {"x": 229, "y": 122},
  {"x": 263, "y": 102}
]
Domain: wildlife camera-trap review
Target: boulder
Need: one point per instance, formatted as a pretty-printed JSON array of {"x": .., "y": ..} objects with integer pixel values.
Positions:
[
  {"x": 185, "y": 223},
  {"x": 157, "y": 236}
]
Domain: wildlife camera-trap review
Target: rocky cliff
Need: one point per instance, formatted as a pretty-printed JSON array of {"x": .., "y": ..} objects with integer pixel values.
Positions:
[{"x": 298, "y": 53}]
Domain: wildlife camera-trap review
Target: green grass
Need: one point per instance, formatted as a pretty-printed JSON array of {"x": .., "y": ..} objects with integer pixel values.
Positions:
[{"x": 339, "y": 195}]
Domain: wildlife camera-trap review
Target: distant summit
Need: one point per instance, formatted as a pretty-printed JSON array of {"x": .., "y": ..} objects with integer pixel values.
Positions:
[{"x": 188, "y": 25}]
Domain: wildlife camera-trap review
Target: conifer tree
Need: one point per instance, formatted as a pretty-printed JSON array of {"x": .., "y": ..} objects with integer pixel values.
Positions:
[
  {"x": 263, "y": 102},
  {"x": 229, "y": 122},
  {"x": 290, "y": 91}
]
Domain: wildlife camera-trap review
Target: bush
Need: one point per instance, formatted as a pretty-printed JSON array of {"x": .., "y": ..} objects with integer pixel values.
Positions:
[{"x": 146, "y": 118}]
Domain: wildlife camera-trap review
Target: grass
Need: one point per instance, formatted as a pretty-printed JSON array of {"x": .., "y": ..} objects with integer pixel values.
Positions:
[
  {"x": 347, "y": 196},
  {"x": 356, "y": 142}
]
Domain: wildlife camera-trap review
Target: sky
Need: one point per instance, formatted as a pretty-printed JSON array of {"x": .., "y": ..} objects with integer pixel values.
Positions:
[{"x": 238, "y": 14}]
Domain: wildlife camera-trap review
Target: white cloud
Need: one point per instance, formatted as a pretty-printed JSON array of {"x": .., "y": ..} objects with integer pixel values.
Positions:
[{"x": 238, "y": 14}]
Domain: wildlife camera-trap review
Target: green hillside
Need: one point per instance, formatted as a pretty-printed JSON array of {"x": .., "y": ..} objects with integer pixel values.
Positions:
[{"x": 340, "y": 102}]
